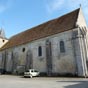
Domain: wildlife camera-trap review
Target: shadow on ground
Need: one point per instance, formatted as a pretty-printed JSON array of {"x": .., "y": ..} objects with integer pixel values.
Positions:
[{"x": 80, "y": 84}]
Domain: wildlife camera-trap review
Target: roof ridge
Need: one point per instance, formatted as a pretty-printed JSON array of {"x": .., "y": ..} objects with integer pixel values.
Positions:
[
  {"x": 45, "y": 22},
  {"x": 54, "y": 26}
]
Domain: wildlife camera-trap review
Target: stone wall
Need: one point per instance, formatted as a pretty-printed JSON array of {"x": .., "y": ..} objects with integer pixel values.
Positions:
[{"x": 61, "y": 62}]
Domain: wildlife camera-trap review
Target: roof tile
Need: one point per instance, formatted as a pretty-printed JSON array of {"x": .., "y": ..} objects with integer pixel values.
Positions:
[{"x": 61, "y": 24}]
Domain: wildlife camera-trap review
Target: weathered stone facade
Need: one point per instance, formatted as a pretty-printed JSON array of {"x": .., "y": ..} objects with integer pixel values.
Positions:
[{"x": 52, "y": 61}]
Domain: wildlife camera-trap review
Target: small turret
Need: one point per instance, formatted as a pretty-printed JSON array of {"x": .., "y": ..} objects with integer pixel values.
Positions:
[
  {"x": 3, "y": 39},
  {"x": 2, "y": 33}
]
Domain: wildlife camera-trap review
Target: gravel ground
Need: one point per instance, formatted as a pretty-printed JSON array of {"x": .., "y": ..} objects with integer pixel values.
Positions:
[{"x": 9, "y": 81}]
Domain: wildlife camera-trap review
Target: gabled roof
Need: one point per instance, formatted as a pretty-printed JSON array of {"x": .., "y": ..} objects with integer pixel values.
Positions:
[{"x": 61, "y": 24}]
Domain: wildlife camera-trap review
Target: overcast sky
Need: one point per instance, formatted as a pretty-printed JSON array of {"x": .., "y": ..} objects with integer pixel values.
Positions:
[{"x": 19, "y": 15}]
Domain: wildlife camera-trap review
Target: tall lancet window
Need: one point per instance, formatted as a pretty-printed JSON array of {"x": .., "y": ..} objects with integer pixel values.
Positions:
[
  {"x": 39, "y": 51},
  {"x": 62, "y": 47}
]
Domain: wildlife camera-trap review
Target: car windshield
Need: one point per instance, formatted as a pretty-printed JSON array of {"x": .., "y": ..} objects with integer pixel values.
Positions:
[
  {"x": 35, "y": 71},
  {"x": 27, "y": 70}
]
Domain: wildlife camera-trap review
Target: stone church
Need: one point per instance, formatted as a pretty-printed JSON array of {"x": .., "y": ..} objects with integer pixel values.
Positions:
[{"x": 59, "y": 46}]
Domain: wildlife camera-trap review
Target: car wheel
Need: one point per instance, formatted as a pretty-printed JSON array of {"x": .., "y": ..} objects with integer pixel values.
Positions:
[
  {"x": 25, "y": 76},
  {"x": 30, "y": 76}
]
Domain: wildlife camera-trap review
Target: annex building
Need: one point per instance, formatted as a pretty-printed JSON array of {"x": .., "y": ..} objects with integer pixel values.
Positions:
[{"x": 59, "y": 46}]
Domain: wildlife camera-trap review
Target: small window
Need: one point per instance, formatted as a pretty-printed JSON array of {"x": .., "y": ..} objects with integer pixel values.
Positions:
[
  {"x": 3, "y": 40},
  {"x": 62, "y": 47},
  {"x": 27, "y": 70},
  {"x": 75, "y": 33},
  {"x": 23, "y": 49},
  {"x": 85, "y": 28},
  {"x": 35, "y": 71},
  {"x": 39, "y": 51}
]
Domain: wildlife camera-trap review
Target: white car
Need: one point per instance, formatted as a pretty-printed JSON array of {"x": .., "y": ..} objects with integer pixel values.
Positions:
[{"x": 30, "y": 73}]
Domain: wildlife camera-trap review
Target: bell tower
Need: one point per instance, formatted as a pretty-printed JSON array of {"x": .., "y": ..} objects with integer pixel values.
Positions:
[
  {"x": 2, "y": 33},
  {"x": 3, "y": 39}
]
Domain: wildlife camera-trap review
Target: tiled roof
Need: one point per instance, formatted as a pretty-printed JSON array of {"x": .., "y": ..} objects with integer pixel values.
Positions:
[{"x": 61, "y": 24}]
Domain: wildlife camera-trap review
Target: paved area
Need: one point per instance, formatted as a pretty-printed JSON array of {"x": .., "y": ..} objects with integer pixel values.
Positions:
[{"x": 9, "y": 81}]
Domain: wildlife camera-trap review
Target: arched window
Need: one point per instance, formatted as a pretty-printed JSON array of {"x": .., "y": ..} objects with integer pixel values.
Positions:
[
  {"x": 62, "y": 47},
  {"x": 23, "y": 50},
  {"x": 39, "y": 51},
  {"x": 3, "y": 40}
]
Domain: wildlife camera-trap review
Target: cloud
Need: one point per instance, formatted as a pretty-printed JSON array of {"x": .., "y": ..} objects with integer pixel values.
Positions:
[
  {"x": 2, "y": 8},
  {"x": 86, "y": 11},
  {"x": 4, "y": 5},
  {"x": 86, "y": 14},
  {"x": 85, "y": 8},
  {"x": 54, "y": 5}
]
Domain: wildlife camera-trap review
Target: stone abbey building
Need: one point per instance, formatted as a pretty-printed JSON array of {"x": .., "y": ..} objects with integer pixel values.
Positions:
[{"x": 59, "y": 46}]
